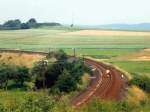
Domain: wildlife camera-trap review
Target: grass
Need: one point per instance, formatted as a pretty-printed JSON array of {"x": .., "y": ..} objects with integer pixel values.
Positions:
[
  {"x": 17, "y": 95},
  {"x": 41, "y": 102},
  {"x": 134, "y": 67}
]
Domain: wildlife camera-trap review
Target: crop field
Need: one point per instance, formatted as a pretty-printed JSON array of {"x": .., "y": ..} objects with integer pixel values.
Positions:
[
  {"x": 111, "y": 45},
  {"x": 125, "y": 46},
  {"x": 47, "y": 39},
  {"x": 43, "y": 39}
]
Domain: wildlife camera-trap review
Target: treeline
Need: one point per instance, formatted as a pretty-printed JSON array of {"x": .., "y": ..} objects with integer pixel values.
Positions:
[
  {"x": 17, "y": 24},
  {"x": 56, "y": 72}
]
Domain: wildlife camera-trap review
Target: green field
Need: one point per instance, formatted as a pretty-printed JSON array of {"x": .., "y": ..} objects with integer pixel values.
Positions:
[
  {"x": 42, "y": 39},
  {"x": 134, "y": 67},
  {"x": 46, "y": 39}
]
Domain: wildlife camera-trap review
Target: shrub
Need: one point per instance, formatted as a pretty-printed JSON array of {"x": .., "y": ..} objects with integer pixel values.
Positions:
[
  {"x": 7, "y": 72},
  {"x": 2, "y": 108},
  {"x": 39, "y": 104},
  {"x": 65, "y": 82},
  {"x": 22, "y": 75},
  {"x": 141, "y": 81}
]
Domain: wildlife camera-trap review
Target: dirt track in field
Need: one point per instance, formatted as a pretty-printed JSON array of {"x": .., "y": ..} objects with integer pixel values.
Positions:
[
  {"x": 109, "y": 86},
  {"x": 107, "y": 33}
]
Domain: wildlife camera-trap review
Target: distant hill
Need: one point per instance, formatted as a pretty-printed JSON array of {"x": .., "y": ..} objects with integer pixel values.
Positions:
[{"x": 142, "y": 26}]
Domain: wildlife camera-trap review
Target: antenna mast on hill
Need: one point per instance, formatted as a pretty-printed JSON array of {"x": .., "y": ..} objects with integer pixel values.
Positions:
[{"x": 72, "y": 24}]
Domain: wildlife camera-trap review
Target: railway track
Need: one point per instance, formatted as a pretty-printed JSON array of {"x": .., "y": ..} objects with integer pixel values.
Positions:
[{"x": 106, "y": 85}]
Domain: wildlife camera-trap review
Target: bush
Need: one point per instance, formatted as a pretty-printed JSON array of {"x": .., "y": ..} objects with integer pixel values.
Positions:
[
  {"x": 25, "y": 26},
  {"x": 141, "y": 81},
  {"x": 65, "y": 82},
  {"x": 7, "y": 72},
  {"x": 2, "y": 108},
  {"x": 17, "y": 74},
  {"x": 22, "y": 75},
  {"x": 29, "y": 103},
  {"x": 39, "y": 104}
]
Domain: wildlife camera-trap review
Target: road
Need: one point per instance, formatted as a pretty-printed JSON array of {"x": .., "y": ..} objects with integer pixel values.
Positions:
[{"x": 109, "y": 84}]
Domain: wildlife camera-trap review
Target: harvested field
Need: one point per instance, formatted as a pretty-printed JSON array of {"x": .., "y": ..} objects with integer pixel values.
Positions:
[
  {"x": 143, "y": 55},
  {"x": 19, "y": 58},
  {"x": 107, "y": 33},
  {"x": 147, "y": 49}
]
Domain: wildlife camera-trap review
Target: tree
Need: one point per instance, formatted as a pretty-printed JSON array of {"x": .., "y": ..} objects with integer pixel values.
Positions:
[
  {"x": 65, "y": 82},
  {"x": 61, "y": 74},
  {"x": 25, "y": 26},
  {"x": 39, "y": 70},
  {"x": 12, "y": 24},
  {"x": 32, "y": 22},
  {"x": 22, "y": 75},
  {"x": 76, "y": 70},
  {"x": 7, "y": 73},
  {"x": 141, "y": 81},
  {"x": 53, "y": 72},
  {"x": 59, "y": 55}
]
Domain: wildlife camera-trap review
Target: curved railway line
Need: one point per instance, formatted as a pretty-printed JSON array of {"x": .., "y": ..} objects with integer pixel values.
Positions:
[
  {"x": 108, "y": 82},
  {"x": 106, "y": 85}
]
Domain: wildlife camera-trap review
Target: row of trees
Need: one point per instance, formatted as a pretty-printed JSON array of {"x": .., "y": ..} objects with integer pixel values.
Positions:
[
  {"x": 31, "y": 23},
  {"x": 17, "y": 24},
  {"x": 57, "y": 72}
]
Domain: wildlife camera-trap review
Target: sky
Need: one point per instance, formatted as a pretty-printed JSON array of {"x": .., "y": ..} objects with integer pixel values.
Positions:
[{"x": 83, "y": 12}]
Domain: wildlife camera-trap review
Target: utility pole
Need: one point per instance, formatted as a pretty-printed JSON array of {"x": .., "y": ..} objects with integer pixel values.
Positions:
[
  {"x": 49, "y": 49},
  {"x": 74, "y": 52},
  {"x": 72, "y": 24},
  {"x": 83, "y": 58}
]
